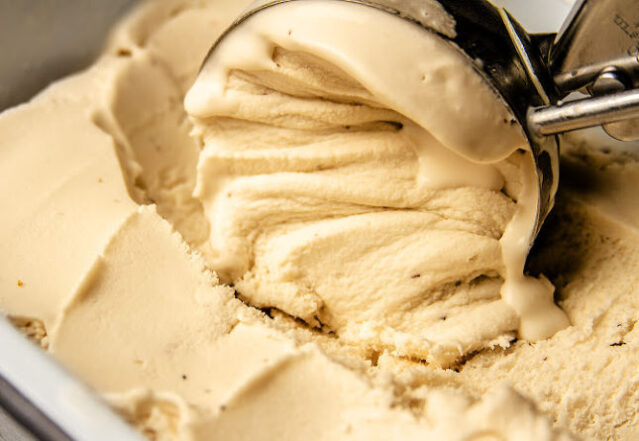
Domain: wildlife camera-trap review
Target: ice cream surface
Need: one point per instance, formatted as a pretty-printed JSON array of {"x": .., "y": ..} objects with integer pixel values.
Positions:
[
  {"x": 334, "y": 194},
  {"x": 365, "y": 299}
]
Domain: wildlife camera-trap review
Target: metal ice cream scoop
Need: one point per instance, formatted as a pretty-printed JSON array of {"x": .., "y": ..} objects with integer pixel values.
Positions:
[{"x": 596, "y": 51}]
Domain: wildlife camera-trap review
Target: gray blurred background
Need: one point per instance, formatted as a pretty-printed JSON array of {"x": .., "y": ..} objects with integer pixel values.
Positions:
[{"x": 41, "y": 40}]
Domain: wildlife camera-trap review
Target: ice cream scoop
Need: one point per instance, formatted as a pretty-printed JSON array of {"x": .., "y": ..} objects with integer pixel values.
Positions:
[
  {"x": 531, "y": 73},
  {"x": 457, "y": 82},
  {"x": 360, "y": 175}
]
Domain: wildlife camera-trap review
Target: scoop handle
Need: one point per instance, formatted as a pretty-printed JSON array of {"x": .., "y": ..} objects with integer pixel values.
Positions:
[
  {"x": 618, "y": 110},
  {"x": 597, "y": 51}
]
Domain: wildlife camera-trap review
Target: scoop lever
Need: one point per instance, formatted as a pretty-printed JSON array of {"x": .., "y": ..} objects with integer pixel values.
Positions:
[{"x": 595, "y": 51}]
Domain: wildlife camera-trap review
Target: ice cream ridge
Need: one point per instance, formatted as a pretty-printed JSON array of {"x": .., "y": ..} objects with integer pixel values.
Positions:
[
  {"x": 368, "y": 182},
  {"x": 319, "y": 235}
]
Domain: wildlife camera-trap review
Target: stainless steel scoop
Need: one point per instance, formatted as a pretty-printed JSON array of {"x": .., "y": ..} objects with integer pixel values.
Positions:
[{"x": 595, "y": 51}]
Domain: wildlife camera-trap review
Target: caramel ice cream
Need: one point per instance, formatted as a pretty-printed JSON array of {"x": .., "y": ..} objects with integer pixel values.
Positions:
[
  {"x": 300, "y": 243},
  {"x": 328, "y": 203}
]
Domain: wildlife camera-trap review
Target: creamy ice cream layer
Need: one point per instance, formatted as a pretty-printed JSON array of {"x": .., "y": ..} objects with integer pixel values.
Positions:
[
  {"x": 109, "y": 261},
  {"x": 364, "y": 181}
]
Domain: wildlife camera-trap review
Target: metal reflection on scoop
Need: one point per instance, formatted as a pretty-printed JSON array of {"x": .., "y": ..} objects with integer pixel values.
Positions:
[
  {"x": 597, "y": 49},
  {"x": 531, "y": 73}
]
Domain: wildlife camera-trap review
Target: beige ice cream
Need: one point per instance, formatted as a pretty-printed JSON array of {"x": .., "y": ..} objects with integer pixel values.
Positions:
[
  {"x": 320, "y": 197},
  {"x": 328, "y": 202}
]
